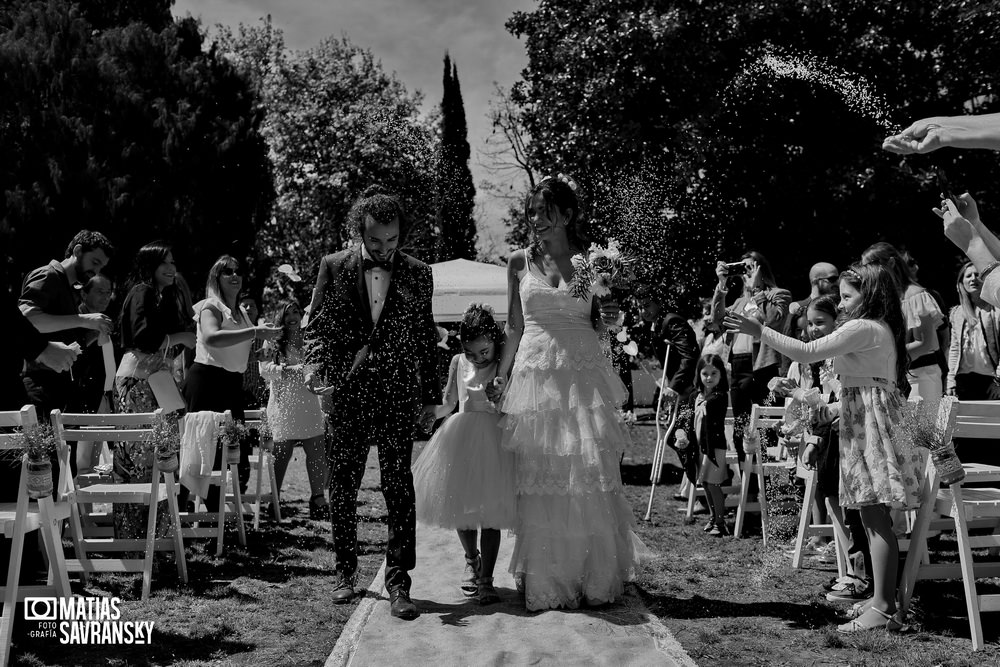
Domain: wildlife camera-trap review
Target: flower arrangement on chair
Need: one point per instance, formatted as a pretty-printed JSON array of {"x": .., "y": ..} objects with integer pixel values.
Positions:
[
  {"x": 165, "y": 442},
  {"x": 38, "y": 443},
  {"x": 232, "y": 435}
]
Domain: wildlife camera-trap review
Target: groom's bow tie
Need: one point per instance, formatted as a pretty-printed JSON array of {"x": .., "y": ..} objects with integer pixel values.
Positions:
[{"x": 369, "y": 264}]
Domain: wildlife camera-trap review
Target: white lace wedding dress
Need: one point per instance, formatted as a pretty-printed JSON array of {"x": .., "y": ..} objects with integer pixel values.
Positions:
[{"x": 575, "y": 541}]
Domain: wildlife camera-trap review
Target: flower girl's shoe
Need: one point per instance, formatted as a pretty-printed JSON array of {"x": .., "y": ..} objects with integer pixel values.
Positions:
[
  {"x": 487, "y": 594},
  {"x": 471, "y": 574}
]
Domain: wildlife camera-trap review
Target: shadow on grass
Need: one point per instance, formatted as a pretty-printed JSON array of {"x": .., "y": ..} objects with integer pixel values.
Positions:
[
  {"x": 802, "y": 616},
  {"x": 637, "y": 474}
]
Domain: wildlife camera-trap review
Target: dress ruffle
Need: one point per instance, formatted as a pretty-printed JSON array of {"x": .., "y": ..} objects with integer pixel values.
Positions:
[
  {"x": 575, "y": 548},
  {"x": 463, "y": 479},
  {"x": 920, "y": 306}
]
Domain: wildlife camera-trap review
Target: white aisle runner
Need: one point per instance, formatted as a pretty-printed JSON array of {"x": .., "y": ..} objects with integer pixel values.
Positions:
[{"x": 454, "y": 630}]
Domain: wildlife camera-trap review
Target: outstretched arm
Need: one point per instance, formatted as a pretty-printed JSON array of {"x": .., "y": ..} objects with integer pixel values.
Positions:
[
  {"x": 930, "y": 134},
  {"x": 515, "y": 315},
  {"x": 852, "y": 336},
  {"x": 450, "y": 399}
]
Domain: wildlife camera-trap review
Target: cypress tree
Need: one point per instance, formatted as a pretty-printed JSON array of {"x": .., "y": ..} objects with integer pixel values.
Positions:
[{"x": 456, "y": 192}]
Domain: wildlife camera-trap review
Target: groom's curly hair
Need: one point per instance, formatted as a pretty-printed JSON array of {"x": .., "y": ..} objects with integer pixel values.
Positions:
[{"x": 382, "y": 205}]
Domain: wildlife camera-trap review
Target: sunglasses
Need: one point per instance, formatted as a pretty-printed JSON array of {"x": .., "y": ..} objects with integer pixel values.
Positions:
[{"x": 229, "y": 272}]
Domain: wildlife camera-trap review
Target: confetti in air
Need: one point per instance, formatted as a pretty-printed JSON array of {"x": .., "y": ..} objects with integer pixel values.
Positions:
[{"x": 857, "y": 93}]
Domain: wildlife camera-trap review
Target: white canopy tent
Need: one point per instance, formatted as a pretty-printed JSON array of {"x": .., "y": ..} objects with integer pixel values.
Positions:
[{"x": 459, "y": 282}]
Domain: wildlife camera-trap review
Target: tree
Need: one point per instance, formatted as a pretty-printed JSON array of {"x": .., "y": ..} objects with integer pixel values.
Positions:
[
  {"x": 334, "y": 123},
  {"x": 134, "y": 131},
  {"x": 456, "y": 193},
  {"x": 506, "y": 158},
  {"x": 692, "y": 148}
]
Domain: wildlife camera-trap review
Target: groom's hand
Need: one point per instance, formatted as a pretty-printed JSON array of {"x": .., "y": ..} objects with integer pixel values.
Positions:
[{"x": 425, "y": 421}]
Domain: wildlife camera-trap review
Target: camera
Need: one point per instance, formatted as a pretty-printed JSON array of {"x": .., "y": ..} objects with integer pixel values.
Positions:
[{"x": 736, "y": 269}]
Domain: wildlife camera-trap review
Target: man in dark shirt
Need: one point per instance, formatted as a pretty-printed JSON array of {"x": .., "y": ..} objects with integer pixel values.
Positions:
[
  {"x": 670, "y": 329},
  {"x": 50, "y": 299}
]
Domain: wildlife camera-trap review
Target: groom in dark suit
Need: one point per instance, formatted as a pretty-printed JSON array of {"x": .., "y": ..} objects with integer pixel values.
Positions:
[{"x": 372, "y": 346}]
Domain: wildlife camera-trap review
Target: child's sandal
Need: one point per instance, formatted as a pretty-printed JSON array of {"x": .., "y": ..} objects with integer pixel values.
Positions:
[
  {"x": 487, "y": 594},
  {"x": 471, "y": 574}
]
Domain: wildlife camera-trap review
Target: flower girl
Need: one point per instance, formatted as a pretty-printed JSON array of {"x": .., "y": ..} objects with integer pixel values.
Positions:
[{"x": 464, "y": 479}]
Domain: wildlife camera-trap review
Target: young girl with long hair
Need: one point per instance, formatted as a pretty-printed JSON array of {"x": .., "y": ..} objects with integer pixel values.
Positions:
[
  {"x": 704, "y": 425},
  {"x": 879, "y": 466},
  {"x": 463, "y": 479},
  {"x": 295, "y": 413}
]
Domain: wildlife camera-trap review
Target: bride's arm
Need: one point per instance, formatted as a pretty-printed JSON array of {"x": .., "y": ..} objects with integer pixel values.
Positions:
[{"x": 515, "y": 315}]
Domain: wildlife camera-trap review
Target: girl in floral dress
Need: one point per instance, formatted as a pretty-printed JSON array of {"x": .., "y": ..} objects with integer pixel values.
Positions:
[
  {"x": 155, "y": 326},
  {"x": 879, "y": 467}
]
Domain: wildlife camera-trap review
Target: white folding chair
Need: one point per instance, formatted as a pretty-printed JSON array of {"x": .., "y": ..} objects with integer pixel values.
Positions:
[
  {"x": 261, "y": 468},
  {"x": 761, "y": 462},
  {"x": 960, "y": 509},
  {"x": 192, "y": 523},
  {"x": 21, "y": 518},
  {"x": 123, "y": 427}
]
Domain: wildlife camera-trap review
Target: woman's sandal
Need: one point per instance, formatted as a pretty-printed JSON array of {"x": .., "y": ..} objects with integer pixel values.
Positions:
[
  {"x": 889, "y": 623},
  {"x": 487, "y": 594},
  {"x": 471, "y": 575}
]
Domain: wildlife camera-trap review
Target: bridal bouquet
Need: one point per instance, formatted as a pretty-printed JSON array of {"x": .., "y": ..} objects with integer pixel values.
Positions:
[{"x": 600, "y": 270}]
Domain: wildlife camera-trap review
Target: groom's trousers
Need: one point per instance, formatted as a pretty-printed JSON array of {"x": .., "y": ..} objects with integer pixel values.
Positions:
[{"x": 358, "y": 423}]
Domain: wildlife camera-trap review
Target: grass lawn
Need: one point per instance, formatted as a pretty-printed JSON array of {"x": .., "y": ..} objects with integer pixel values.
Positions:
[{"x": 725, "y": 600}]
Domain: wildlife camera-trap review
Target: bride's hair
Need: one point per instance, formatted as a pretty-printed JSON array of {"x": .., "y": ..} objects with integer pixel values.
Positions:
[
  {"x": 479, "y": 321},
  {"x": 563, "y": 192}
]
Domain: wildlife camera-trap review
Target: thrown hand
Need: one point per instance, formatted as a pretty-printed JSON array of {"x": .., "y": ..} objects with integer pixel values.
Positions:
[{"x": 742, "y": 324}]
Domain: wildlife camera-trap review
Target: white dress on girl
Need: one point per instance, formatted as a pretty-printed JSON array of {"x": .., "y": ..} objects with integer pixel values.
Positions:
[
  {"x": 575, "y": 530},
  {"x": 463, "y": 479}
]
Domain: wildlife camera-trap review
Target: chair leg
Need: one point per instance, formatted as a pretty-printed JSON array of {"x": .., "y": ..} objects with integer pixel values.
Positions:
[
  {"x": 76, "y": 530},
  {"x": 179, "y": 555},
  {"x": 692, "y": 494},
  {"x": 147, "y": 566},
  {"x": 13, "y": 576},
  {"x": 50, "y": 529},
  {"x": 744, "y": 495},
  {"x": 809, "y": 497},
  {"x": 918, "y": 543},
  {"x": 221, "y": 527},
  {"x": 261, "y": 462},
  {"x": 968, "y": 569},
  {"x": 762, "y": 501},
  {"x": 275, "y": 491},
  {"x": 238, "y": 498}
]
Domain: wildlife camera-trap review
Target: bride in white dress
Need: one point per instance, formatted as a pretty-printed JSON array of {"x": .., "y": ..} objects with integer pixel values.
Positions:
[{"x": 575, "y": 539}]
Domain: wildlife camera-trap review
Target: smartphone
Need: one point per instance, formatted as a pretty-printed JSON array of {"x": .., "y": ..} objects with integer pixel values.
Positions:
[
  {"x": 946, "y": 190},
  {"x": 736, "y": 268}
]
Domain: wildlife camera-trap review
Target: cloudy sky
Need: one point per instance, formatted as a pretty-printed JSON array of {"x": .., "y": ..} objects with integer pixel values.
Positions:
[{"x": 410, "y": 37}]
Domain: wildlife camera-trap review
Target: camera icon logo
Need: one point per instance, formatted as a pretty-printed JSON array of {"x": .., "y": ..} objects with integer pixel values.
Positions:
[{"x": 41, "y": 609}]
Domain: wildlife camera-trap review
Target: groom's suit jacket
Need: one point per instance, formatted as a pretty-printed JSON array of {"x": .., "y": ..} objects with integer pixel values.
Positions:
[{"x": 401, "y": 359}]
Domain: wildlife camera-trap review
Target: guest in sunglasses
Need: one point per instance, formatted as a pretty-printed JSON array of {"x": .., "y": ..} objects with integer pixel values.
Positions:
[{"x": 222, "y": 349}]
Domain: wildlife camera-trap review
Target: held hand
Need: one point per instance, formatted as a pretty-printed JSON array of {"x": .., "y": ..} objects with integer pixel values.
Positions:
[
  {"x": 426, "y": 418},
  {"x": 610, "y": 310},
  {"x": 809, "y": 456},
  {"x": 745, "y": 325},
  {"x": 59, "y": 356},
  {"x": 670, "y": 394},
  {"x": 97, "y": 322},
  {"x": 494, "y": 390}
]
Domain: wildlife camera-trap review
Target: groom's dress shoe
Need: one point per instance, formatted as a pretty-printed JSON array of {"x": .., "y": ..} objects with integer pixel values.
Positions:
[
  {"x": 344, "y": 592},
  {"x": 401, "y": 606}
]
